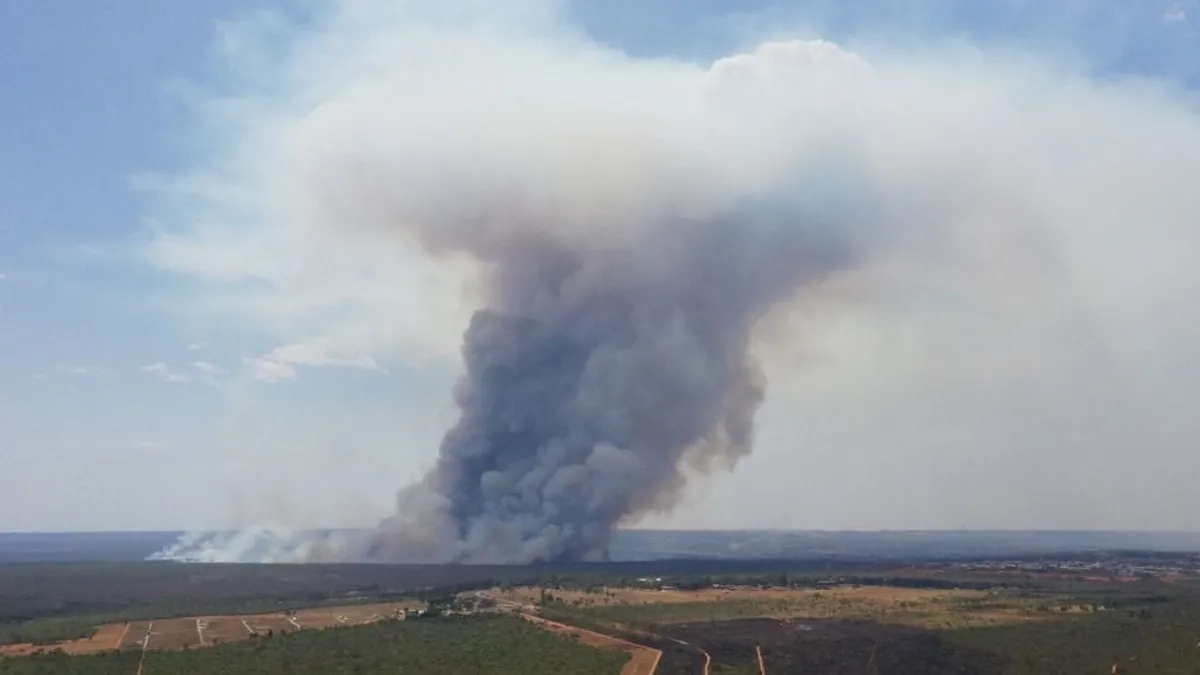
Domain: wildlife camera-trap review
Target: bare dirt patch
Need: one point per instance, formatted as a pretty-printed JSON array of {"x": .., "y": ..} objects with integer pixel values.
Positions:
[
  {"x": 206, "y": 631},
  {"x": 174, "y": 634}
]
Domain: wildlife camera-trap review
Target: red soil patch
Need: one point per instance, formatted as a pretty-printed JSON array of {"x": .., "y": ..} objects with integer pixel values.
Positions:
[{"x": 185, "y": 633}]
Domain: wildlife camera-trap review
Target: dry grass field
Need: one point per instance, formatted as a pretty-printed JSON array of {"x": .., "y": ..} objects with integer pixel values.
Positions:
[{"x": 925, "y": 608}]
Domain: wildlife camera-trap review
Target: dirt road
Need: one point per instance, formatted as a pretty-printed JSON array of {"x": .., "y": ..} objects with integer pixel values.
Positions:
[
  {"x": 707, "y": 656},
  {"x": 145, "y": 646},
  {"x": 643, "y": 660},
  {"x": 121, "y": 637},
  {"x": 762, "y": 667}
]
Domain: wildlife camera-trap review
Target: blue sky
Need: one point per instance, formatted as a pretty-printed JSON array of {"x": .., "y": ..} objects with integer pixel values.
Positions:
[{"x": 134, "y": 396}]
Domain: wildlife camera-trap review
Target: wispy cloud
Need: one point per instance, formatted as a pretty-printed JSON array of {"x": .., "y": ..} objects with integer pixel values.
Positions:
[
  {"x": 280, "y": 363},
  {"x": 266, "y": 370},
  {"x": 208, "y": 368},
  {"x": 317, "y": 356},
  {"x": 77, "y": 370},
  {"x": 197, "y": 346},
  {"x": 196, "y": 371},
  {"x": 149, "y": 444},
  {"x": 167, "y": 373}
]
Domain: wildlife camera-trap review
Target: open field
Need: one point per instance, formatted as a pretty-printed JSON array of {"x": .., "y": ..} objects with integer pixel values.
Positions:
[
  {"x": 481, "y": 645},
  {"x": 207, "y": 631},
  {"x": 1052, "y": 627},
  {"x": 918, "y": 607},
  {"x": 985, "y": 619},
  {"x": 108, "y": 637},
  {"x": 606, "y": 596}
]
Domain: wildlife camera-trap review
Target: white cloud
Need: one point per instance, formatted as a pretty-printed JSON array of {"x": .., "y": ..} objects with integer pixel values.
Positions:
[
  {"x": 270, "y": 371},
  {"x": 196, "y": 371},
  {"x": 197, "y": 346},
  {"x": 317, "y": 356},
  {"x": 279, "y": 364},
  {"x": 1032, "y": 317},
  {"x": 167, "y": 373},
  {"x": 148, "y": 444},
  {"x": 208, "y": 368}
]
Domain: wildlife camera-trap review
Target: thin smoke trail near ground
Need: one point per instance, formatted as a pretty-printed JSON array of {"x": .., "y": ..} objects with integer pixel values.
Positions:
[{"x": 635, "y": 223}]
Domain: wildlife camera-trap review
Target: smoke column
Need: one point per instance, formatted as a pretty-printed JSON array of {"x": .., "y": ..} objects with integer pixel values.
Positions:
[
  {"x": 625, "y": 267},
  {"x": 593, "y": 374},
  {"x": 614, "y": 341},
  {"x": 634, "y": 223},
  {"x": 614, "y": 344}
]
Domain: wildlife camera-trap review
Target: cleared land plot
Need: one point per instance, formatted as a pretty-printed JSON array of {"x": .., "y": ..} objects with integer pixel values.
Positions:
[
  {"x": 109, "y": 637},
  {"x": 222, "y": 630},
  {"x": 460, "y": 645},
  {"x": 926, "y": 608},
  {"x": 173, "y": 634},
  {"x": 642, "y": 660},
  {"x": 186, "y": 632}
]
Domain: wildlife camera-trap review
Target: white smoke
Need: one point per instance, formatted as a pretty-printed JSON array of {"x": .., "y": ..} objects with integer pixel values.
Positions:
[{"x": 962, "y": 187}]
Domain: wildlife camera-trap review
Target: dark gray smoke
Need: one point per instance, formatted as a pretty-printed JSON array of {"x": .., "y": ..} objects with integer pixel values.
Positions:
[{"x": 594, "y": 375}]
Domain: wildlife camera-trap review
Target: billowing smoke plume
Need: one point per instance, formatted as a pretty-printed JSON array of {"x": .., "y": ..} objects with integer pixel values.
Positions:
[
  {"x": 625, "y": 265},
  {"x": 592, "y": 374},
  {"x": 614, "y": 341},
  {"x": 632, "y": 224}
]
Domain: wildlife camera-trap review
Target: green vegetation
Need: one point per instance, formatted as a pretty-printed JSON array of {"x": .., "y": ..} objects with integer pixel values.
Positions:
[
  {"x": 1156, "y": 637},
  {"x": 934, "y": 610},
  {"x": 488, "y": 645},
  {"x": 683, "y": 612},
  {"x": 57, "y": 663}
]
